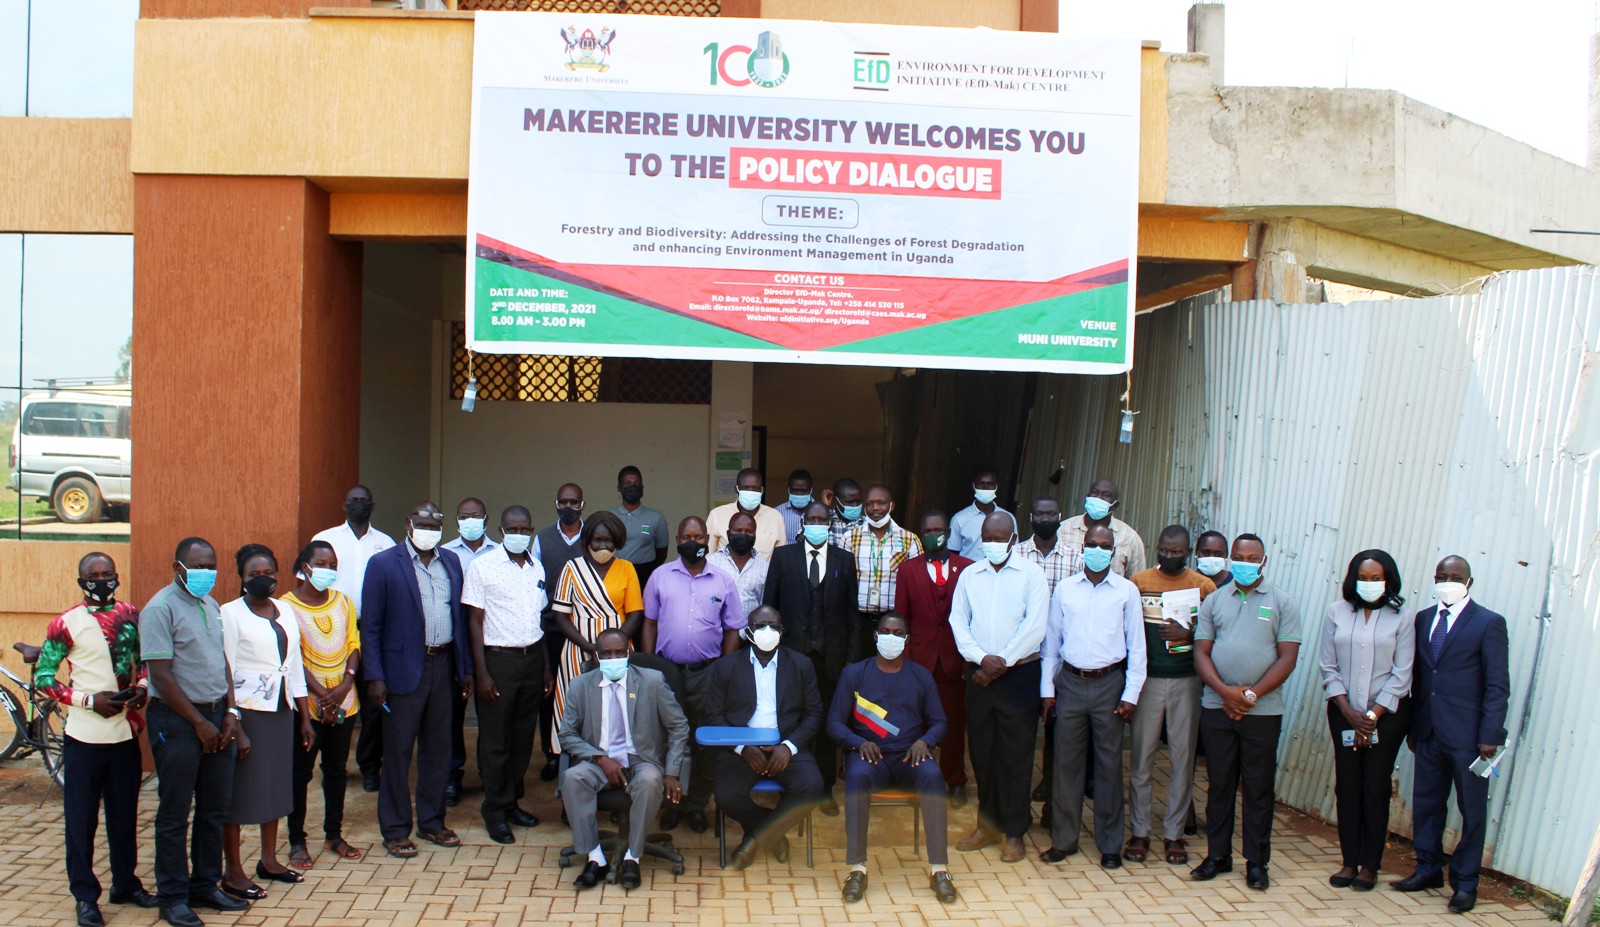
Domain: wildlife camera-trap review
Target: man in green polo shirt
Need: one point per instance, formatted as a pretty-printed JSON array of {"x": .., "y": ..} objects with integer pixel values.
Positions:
[{"x": 1247, "y": 639}]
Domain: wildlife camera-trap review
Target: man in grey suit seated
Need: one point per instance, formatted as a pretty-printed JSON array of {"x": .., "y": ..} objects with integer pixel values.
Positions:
[{"x": 622, "y": 729}]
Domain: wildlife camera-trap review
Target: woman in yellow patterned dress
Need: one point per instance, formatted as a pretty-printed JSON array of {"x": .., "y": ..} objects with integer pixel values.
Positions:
[{"x": 597, "y": 591}]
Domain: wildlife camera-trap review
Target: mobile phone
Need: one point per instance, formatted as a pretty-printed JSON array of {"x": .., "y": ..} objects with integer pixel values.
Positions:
[
  {"x": 1348, "y": 738},
  {"x": 125, "y": 694}
]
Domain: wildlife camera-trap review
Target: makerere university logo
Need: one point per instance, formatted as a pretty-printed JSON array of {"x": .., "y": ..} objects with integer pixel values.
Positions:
[{"x": 586, "y": 50}]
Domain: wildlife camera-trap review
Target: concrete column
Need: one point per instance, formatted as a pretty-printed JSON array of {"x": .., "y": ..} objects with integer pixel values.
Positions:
[
  {"x": 1594, "y": 102},
  {"x": 1206, "y": 36},
  {"x": 1280, "y": 273}
]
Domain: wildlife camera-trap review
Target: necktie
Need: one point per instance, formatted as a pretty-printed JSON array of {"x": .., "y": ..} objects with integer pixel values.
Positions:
[
  {"x": 816, "y": 569},
  {"x": 617, "y": 728},
  {"x": 1440, "y": 630},
  {"x": 938, "y": 568}
]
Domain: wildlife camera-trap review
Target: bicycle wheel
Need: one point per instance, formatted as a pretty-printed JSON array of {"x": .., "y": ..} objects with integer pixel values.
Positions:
[
  {"x": 13, "y": 738},
  {"x": 52, "y": 722}
]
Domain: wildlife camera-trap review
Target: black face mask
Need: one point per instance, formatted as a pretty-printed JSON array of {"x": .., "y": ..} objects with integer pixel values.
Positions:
[
  {"x": 99, "y": 591},
  {"x": 632, "y": 494},
  {"x": 359, "y": 510},
  {"x": 741, "y": 544},
  {"x": 1046, "y": 529},
  {"x": 693, "y": 551},
  {"x": 260, "y": 586},
  {"x": 568, "y": 516},
  {"x": 1172, "y": 566}
]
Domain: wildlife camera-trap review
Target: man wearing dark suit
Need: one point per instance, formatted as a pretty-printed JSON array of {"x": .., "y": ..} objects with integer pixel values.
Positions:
[
  {"x": 414, "y": 649},
  {"x": 764, "y": 685},
  {"x": 641, "y": 749},
  {"x": 923, "y": 587},
  {"x": 1458, "y": 698},
  {"x": 812, "y": 584}
]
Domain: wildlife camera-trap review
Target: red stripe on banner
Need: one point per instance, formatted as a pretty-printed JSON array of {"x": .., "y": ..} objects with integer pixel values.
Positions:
[
  {"x": 840, "y": 172},
  {"x": 688, "y": 291}
]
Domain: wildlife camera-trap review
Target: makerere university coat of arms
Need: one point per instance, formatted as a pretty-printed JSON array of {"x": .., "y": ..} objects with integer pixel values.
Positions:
[{"x": 584, "y": 50}]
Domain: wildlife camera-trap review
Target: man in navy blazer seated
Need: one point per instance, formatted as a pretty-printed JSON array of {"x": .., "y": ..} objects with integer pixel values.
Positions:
[
  {"x": 765, "y": 685},
  {"x": 1458, "y": 702},
  {"x": 415, "y": 656}
]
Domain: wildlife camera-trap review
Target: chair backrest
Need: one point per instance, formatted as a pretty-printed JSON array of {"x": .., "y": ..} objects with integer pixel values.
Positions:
[{"x": 663, "y": 666}]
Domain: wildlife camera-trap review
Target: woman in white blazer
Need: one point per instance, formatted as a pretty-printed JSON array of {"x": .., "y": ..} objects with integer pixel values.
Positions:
[{"x": 261, "y": 639}]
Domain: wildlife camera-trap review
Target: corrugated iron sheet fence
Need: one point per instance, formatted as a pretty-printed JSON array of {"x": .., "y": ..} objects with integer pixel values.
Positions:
[{"x": 1424, "y": 427}]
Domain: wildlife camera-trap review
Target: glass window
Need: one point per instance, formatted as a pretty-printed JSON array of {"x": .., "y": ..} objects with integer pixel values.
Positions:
[
  {"x": 97, "y": 421},
  {"x": 51, "y": 419},
  {"x": 80, "y": 57}
]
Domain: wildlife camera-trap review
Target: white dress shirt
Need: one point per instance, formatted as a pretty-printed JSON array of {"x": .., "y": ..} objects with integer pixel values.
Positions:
[
  {"x": 511, "y": 596},
  {"x": 251, "y": 646},
  {"x": 1450, "y": 620},
  {"x": 1000, "y": 611},
  {"x": 766, "y": 713},
  {"x": 1092, "y": 626},
  {"x": 353, "y": 553}
]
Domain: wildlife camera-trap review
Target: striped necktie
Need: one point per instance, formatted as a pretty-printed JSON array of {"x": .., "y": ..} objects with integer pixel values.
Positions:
[{"x": 1440, "y": 630}]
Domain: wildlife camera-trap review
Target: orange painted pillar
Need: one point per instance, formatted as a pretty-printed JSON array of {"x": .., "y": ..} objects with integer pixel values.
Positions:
[{"x": 247, "y": 369}]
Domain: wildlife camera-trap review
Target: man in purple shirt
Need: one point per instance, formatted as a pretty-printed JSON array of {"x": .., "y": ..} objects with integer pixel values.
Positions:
[{"x": 692, "y": 617}]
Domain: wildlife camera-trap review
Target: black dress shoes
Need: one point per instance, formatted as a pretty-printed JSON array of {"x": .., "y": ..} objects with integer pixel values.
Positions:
[
  {"x": 1255, "y": 876},
  {"x": 1416, "y": 882},
  {"x": 1463, "y": 901},
  {"x": 217, "y": 901},
  {"x": 593, "y": 874},
  {"x": 943, "y": 888},
  {"x": 452, "y": 793},
  {"x": 500, "y": 832},
  {"x": 548, "y": 773},
  {"x": 1210, "y": 868},
  {"x": 521, "y": 818},
  {"x": 670, "y": 819},
  {"x": 855, "y": 885},
  {"x": 829, "y": 807},
  {"x": 629, "y": 876},
  {"x": 744, "y": 854},
  {"x": 779, "y": 849},
  {"x": 958, "y": 799},
  {"x": 89, "y": 915},
  {"x": 1110, "y": 861},
  {"x": 369, "y": 781},
  {"x": 181, "y": 915},
  {"x": 139, "y": 898},
  {"x": 1041, "y": 792},
  {"x": 1054, "y": 855},
  {"x": 697, "y": 821}
]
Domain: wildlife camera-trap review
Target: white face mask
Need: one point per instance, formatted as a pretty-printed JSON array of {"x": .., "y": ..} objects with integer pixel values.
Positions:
[
  {"x": 1371, "y": 590},
  {"x": 750, "y": 499},
  {"x": 880, "y": 522},
  {"x": 765, "y": 638},
  {"x": 984, "y": 496},
  {"x": 1450, "y": 593},
  {"x": 997, "y": 551},
  {"x": 425, "y": 538},
  {"x": 891, "y": 646},
  {"x": 517, "y": 543}
]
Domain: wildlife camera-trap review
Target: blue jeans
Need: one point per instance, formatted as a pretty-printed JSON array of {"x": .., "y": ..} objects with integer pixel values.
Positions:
[{"x": 185, "y": 862}]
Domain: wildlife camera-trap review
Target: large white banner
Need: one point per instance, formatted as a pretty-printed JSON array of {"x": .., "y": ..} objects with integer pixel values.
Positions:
[{"x": 771, "y": 190}]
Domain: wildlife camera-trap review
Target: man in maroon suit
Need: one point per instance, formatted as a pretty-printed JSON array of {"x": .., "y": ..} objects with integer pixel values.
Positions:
[{"x": 923, "y": 587}]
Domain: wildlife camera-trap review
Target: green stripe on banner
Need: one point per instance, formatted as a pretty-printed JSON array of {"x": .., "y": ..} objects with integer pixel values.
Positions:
[
  {"x": 999, "y": 333},
  {"x": 615, "y": 320}
]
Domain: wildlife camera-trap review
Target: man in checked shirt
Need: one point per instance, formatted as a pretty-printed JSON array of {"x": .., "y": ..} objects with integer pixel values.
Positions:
[{"x": 880, "y": 546}]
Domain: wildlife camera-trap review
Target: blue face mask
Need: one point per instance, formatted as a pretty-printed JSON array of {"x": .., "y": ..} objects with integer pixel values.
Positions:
[
  {"x": 799, "y": 502},
  {"x": 1245, "y": 574},
  {"x": 323, "y": 577},
  {"x": 516, "y": 543},
  {"x": 1211, "y": 566},
  {"x": 1096, "y": 508},
  {"x": 850, "y": 512},
  {"x": 470, "y": 528},
  {"x": 749, "y": 499},
  {"x": 816, "y": 535},
  {"x": 1096, "y": 559},
  {"x": 615, "y": 668},
  {"x": 199, "y": 582},
  {"x": 997, "y": 551}
]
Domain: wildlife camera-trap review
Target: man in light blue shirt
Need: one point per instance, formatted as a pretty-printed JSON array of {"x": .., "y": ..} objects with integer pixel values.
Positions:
[
  {"x": 966, "y": 526},
  {"x": 998, "y": 614},
  {"x": 793, "y": 509},
  {"x": 1094, "y": 667},
  {"x": 470, "y": 543}
]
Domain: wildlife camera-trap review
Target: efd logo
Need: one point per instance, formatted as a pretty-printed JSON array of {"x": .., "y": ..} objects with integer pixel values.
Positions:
[{"x": 765, "y": 66}]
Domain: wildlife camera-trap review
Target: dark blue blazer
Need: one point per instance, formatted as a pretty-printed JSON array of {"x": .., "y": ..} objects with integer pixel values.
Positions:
[
  {"x": 1461, "y": 699},
  {"x": 392, "y": 626}
]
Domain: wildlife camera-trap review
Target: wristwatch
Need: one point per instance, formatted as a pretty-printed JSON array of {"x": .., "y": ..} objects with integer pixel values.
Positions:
[
  {"x": 1250, "y": 696},
  {"x": 88, "y": 702},
  {"x": 1371, "y": 715},
  {"x": 235, "y": 712}
]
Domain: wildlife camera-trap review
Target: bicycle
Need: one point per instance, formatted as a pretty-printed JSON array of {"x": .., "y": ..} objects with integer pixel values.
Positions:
[{"x": 44, "y": 732}]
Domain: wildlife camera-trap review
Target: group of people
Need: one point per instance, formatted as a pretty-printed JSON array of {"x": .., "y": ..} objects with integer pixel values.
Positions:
[{"x": 832, "y": 641}]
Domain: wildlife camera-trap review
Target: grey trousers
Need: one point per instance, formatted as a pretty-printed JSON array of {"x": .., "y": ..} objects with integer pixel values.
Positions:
[
  {"x": 1083, "y": 705},
  {"x": 580, "y": 790},
  {"x": 1175, "y": 702}
]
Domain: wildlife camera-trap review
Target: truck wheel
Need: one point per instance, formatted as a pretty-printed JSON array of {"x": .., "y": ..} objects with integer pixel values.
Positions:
[{"x": 77, "y": 501}]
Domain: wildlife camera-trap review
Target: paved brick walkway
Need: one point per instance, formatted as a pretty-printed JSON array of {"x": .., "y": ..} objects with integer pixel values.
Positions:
[{"x": 484, "y": 883}]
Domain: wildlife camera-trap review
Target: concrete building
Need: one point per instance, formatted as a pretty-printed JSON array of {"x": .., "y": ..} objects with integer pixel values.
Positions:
[{"x": 294, "y": 178}]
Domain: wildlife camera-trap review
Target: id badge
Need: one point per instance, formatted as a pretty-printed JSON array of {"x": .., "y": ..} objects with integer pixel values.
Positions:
[{"x": 872, "y": 599}]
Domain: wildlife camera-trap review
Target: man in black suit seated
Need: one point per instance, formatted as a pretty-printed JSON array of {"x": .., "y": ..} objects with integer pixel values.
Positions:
[
  {"x": 812, "y": 584},
  {"x": 764, "y": 685},
  {"x": 1459, "y": 693}
]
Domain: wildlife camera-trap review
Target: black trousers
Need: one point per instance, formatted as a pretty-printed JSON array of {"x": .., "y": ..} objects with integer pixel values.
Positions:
[
  {"x": 1242, "y": 753},
  {"x": 508, "y": 726},
  {"x": 189, "y": 861},
  {"x": 1364, "y": 784},
  {"x": 332, "y": 746},
  {"x": 458, "y": 741},
  {"x": 553, "y": 642},
  {"x": 1440, "y": 768},
  {"x": 1002, "y": 732},
  {"x": 418, "y": 721},
  {"x": 823, "y": 748},
  {"x": 697, "y": 791},
  {"x": 96, "y": 774},
  {"x": 369, "y": 743},
  {"x": 802, "y": 787}
]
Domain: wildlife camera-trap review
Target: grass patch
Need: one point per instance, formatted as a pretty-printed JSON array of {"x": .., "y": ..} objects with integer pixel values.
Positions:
[{"x": 30, "y": 508}]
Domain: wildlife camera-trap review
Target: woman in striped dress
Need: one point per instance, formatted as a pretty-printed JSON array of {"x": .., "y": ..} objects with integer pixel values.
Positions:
[{"x": 597, "y": 591}]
